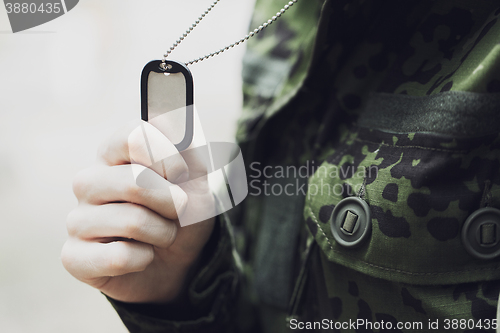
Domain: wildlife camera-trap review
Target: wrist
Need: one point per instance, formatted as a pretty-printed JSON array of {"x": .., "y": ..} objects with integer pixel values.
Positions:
[{"x": 191, "y": 263}]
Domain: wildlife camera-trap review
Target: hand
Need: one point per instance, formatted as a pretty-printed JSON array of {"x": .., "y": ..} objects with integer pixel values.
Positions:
[{"x": 125, "y": 239}]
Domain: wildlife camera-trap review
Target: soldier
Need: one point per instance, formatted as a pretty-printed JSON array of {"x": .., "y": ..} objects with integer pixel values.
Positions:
[{"x": 392, "y": 108}]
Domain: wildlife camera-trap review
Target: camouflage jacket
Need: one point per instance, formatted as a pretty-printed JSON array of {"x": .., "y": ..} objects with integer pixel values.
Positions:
[{"x": 371, "y": 138}]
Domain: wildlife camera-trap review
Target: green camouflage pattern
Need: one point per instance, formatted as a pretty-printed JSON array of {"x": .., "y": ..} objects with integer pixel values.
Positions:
[
  {"x": 308, "y": 79},
  {"x": 354, "y": 297},
  {"x": 414, "y": 267},
  {"x": 420, "y": 188},
  {"x": 277, "y": 59}
]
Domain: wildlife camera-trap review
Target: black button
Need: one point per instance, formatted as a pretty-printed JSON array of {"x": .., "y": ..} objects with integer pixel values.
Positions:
[
  {"x": 351, "y": 222},
  {"x": 481, "y": 233}
]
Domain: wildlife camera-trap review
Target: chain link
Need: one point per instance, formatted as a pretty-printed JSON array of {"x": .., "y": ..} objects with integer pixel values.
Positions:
[{"x": 242, "y": 40}]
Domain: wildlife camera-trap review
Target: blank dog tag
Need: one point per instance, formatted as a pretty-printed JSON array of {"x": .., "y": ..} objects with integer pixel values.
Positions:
[{"x": 167, "y": 101}]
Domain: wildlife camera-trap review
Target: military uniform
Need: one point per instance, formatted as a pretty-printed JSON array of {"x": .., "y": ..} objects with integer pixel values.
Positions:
[{"x": 379, "y": 121}]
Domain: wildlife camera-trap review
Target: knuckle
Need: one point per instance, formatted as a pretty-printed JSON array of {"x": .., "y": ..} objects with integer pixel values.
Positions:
[
  {"x": 180, "y": 200},
  {"x": 116, "y": 143},
  {"x": 127, "y": 259},
  {"x": 169, "y": 235},
  {"x": 67, "y": 257},
  {"x": 147, "y": 257},
  {"x": 133, "y": 192},
  {"x": 175, "y": 165},
  {"x": 73, "y": 222},
  {"x": 104, "y": 148},
  {"x": 136, "y": 144},
  {"x": 132, "y": 228},
  {"x": 119, "y": 261},
  {"x": 135, "y": 223},
  {"x": 81, "y": 183},
  {"x": 166, "y": 235}
]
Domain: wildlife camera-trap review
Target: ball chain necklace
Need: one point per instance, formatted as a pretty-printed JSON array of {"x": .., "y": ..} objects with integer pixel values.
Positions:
[
  {"x": 242, "y": 40},
  {"x": 160, "y": 85}
]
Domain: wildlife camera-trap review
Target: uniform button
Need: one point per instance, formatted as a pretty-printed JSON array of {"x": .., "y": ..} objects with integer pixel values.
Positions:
[
  {"x": 351, "y": 222},
  {"x": 481, "y": 233}
]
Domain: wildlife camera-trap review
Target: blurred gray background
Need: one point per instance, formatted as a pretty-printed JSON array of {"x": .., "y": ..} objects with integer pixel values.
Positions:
[{"x": 64, "y": 87}]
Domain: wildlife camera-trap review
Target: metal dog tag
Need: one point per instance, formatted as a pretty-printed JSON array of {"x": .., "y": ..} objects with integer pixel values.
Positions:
[{"x": 167, "y": 100}]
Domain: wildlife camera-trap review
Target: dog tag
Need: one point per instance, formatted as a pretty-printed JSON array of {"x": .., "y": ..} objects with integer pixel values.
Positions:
[{"x": 167, "y": 100}]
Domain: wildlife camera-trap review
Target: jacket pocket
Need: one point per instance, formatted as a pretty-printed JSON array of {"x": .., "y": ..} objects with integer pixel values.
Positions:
[{"x": 423, "y": 165}]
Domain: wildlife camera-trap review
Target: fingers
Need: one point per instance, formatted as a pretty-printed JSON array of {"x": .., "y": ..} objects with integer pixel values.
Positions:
[
  {"x": 141, "y": 143},
  {"x": 101, "y": 184},
  {"x": 87, "y": 260},
  {"x": 121, "y": 220}
]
